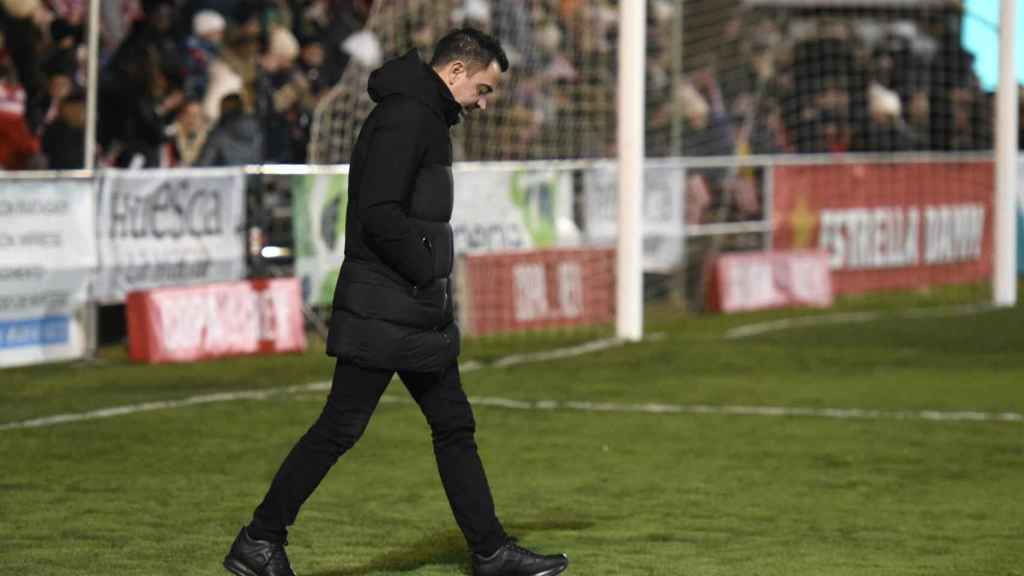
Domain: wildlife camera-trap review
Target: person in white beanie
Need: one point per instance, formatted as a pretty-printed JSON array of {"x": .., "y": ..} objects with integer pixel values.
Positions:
[
  {"x": 209, "y": 25},
  {"x": 201, "y": 48},
  {"x": 885, "y": 130}
]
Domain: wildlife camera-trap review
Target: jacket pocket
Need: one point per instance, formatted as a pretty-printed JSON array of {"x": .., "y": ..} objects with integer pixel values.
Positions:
[
  {"x": 437, "y": 238},
  {"x": 381, "y": 344}
]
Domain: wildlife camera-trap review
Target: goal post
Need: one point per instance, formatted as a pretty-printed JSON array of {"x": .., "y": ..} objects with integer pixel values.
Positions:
[
  {"x": 1004, "y": 281},
  {"x": 630, "y": 114}
]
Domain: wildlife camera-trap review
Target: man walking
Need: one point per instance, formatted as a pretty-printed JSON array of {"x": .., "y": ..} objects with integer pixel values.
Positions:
[{"x": 393, "y": 309}]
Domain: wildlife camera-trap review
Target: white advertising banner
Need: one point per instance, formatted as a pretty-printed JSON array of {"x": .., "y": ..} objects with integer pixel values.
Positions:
[
  {"x": 169, "y": 228},
  {"x": 47, "y": 262},
  {"x": 663, "y": 228},
  {"x": 499, "y": 209}
]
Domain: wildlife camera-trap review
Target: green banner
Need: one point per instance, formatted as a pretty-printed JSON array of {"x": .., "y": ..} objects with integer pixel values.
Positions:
[{"x": 319, "y": 202}]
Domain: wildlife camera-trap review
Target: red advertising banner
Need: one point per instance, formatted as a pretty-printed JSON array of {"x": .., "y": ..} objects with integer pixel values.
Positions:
[
  {"x": 889, "y": 226},
  {"x": 757, "y": 280},
  {"x": 536, "y": 289},
  {"x": 190, "y": 323}
]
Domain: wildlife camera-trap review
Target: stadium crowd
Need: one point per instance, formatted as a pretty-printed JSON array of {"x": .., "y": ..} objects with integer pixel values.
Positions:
[
  {"x": 181, "y": 82},
  {"x": 768, "y": 82},
  {"x": 219, "y": 82}
]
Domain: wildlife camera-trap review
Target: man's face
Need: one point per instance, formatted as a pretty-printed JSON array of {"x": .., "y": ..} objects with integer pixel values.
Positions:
[
  {"x": 74, "y": 113},
  {"x": 471, "y": 87},
  {"x": 191, "y": 117}
]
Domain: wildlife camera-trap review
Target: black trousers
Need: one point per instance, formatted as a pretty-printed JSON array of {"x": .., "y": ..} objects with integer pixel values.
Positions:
[{"x": 354, "y": 395}]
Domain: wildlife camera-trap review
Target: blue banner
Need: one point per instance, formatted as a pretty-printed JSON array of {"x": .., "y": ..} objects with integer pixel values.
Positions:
[{"x": 40, "y": 332}]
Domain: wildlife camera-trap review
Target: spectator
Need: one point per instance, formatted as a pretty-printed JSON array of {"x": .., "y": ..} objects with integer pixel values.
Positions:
[
  {"x": 886, "y": 130},
  {"x": 744, "y": 200},
  {"x": 186, "y": 136},
  {"x": 18, "y": 146},
  {"x": 698, "y": 198},
  {"x": 141, "y": 90},
  {"x": 950, "y": 78},
  {"x": 23, "y": 24},
  {"x": 282, "y": 95},
  {"x": 66, "y": 39},
  {"x": 234, "y": 71},
  {"x": 235, "y": 140},
  {"x": 201, "y": 48},
  {"x": 345, "y": 19},
  {"x": 59, "y": 72},
  {"x": 116, "y": 17},
  {"x": 64, "y": 138},
  {"x": 71, "y": 12},
  {"x": 311, "y": 64},
  {"x": 707, "y": 130}
]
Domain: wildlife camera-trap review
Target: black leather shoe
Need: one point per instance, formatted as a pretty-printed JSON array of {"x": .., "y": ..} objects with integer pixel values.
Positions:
[
  {"x": 249, "y": 557},
  {"x": 514, "y": 560}
]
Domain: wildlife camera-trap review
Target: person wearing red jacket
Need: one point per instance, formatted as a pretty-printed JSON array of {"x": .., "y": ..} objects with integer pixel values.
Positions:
[{"x": 18, "y": 145}]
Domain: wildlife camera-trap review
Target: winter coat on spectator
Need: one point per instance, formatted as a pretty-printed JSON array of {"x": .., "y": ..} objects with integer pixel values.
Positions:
[
  {"x": 889, "y": 137},
  {"x": 223, "y": 80},
  {"x": 392, "y": 304},
  {"x": 20, "y": 40},
  {"x": 131, "y": 117},
  {"x": 17, "y": 143},
  {"x": 235, "y": 140},
  {"x": 279, "y": 101},
  {"x": 64, "y": 145}
]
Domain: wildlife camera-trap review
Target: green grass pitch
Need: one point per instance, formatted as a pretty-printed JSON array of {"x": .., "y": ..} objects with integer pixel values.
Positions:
[{"x": 164, "y": 492}]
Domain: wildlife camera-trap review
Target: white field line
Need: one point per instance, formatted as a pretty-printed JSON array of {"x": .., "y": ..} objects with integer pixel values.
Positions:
[
  {"x": 162, "y": 405},
  {"x": 760, "y": 328},
  {"x": 651, "y": 408},
  {"x": 589, "y": 406},
  {"x": 269, "y": 392}
]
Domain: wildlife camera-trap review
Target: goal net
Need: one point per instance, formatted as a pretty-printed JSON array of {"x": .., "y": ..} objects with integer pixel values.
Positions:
[{"x": 857, "y": 130}]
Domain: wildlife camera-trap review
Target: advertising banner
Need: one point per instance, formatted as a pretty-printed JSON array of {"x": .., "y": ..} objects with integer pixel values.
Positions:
[
  {"x": 536, "y": 289},
  {"x": 495, "y": 210},
  {"x": 889, "y": 226},
  {"x": 47, "y": 263},
  {"x": 192, "y": 323},
  {"x": 758, "y": 280},
  {"x": 319, "y": 205},
  {"x": 663, "y": 213},
  {"x": 169, "y": 228},
  {"x": 498, "y": 209}
]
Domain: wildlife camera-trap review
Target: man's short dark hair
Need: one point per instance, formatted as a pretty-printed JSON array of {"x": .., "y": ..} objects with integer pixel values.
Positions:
[
  {"x": 231, "y": 104},
  {"x": 477, "y": 49}
]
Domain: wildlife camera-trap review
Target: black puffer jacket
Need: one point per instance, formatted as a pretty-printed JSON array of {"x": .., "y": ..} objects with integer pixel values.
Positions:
[{"x": 392, "y": 303}]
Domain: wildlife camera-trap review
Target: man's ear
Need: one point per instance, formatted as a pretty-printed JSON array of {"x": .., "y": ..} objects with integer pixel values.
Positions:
[{"x": 455, "y": 69}]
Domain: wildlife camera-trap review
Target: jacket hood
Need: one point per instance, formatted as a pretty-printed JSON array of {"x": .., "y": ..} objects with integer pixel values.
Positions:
[
  {"x": 242, "y": 127},
  {"x": 412, "y": 77}
]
